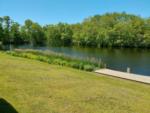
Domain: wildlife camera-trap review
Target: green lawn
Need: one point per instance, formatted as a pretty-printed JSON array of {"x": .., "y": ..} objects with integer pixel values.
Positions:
[{"x": 35, "y": 87}]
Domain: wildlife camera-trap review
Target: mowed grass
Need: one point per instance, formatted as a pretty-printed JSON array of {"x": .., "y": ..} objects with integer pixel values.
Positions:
[{"x": 35, "y": 87}]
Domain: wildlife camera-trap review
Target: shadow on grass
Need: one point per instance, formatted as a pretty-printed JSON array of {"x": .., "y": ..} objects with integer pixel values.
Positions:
[{"x": 6, "y": 107}]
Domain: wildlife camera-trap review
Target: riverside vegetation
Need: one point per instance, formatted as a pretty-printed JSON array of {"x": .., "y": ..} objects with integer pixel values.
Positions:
[{"x": 59, "y": 59}]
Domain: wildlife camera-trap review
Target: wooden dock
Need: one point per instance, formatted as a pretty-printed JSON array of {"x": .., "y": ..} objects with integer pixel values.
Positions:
[{"x": 125, "y": 75}]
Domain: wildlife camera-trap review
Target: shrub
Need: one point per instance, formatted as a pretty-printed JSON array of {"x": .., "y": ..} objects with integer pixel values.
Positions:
[
  {"x": 88, "y": 67},
  {"x": 74, "y": 65},
  {"x": 57, "y": 61},
  {"x": 64, "y": 63},
  {"x": 81, "y": 66},
  {"x": 49, "y": 61},
  {"x": 41, "y": 58}
]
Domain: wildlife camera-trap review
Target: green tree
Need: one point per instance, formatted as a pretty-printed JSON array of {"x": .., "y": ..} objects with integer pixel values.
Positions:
[
  {"x": 53, "y": 36},
  {"x": 7, "y": 25},
  {"x": 15, "y": 34},
  {"x": 33, "y": 33},
  {"x": 1, "y": 29}
]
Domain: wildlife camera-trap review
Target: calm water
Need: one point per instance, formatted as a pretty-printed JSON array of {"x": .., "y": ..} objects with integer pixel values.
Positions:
[{"x": 119, "y": 59}]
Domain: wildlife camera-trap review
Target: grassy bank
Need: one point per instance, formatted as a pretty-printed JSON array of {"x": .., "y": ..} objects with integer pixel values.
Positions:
[
  {"x": 59, "y": 59},
  {"x": 31, "y": 86}
]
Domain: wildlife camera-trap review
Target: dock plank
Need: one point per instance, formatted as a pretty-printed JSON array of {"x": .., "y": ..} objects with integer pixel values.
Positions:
[{"x": 125, "y": 75}]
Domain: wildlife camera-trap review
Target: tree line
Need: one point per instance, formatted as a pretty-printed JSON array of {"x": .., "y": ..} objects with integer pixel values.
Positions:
[{"x": 108, "y": 30}]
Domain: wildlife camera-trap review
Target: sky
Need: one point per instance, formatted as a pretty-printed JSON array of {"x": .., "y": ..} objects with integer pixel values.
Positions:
[{"x": 69, "y": 11}]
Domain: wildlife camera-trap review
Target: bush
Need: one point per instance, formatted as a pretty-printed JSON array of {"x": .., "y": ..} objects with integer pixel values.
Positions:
[
  {"x": 74, "y": 65},
  {"x": 81, "y": 66},
  {"x": 57, "y": 61},
  {"x": 88, "y": 67},
  {"x": 64, "y": 63},
  {"x": 41, "y": 58},
  {"x": 49, "y": 61}
]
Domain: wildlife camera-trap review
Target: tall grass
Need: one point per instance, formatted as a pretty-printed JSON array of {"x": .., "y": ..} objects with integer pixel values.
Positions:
[{"x": 59, "y": 59}]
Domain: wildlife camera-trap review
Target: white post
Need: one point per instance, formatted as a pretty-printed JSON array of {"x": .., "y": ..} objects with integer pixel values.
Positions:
[{"x": 128, "y": 70}]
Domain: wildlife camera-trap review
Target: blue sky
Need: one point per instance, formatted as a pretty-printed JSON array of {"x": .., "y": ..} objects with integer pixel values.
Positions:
[{"x": 70, "y": 11}]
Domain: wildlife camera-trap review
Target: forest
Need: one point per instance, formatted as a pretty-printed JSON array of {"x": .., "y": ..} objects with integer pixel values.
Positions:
[{"x": 107, "y": 30}]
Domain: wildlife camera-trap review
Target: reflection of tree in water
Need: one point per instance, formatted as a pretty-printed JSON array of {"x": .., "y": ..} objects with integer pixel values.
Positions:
[{"x": 6, "y": 107}]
